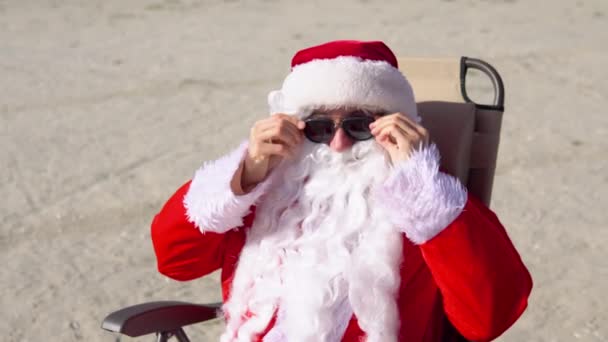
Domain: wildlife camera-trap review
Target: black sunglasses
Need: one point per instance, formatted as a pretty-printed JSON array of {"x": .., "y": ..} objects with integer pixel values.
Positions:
[{"x": 355, "y": 125}]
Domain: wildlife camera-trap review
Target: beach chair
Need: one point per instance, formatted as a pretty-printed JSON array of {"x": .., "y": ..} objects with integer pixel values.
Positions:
[{"x": 466, "y": 133}]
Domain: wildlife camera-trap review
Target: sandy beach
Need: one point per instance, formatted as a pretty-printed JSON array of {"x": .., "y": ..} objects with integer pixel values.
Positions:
[{"x": 106, "y": 107}]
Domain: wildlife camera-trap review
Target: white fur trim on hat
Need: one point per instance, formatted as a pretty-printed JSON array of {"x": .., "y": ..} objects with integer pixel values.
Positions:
[{"x": 344, "y": 82}]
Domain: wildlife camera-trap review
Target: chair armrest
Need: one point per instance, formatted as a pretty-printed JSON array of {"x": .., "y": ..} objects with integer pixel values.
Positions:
[{"x": 162, "y": 316}]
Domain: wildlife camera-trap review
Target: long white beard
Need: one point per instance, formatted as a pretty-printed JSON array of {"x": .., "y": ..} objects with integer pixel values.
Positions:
[{"x": 319, "y": 248}]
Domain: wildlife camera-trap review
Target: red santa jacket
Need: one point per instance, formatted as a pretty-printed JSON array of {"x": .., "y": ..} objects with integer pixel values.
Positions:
[{"x": 468, "y": 276}]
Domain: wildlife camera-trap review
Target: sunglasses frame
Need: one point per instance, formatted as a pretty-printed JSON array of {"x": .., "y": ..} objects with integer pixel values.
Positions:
[{"x": 340, "y": 124}]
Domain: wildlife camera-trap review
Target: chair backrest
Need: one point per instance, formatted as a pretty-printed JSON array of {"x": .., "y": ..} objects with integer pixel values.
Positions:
[{"x": 467, "y": 134}]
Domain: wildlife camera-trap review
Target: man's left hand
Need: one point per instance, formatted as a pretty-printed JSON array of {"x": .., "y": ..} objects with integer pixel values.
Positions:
[{"x": 399, "y": 136}]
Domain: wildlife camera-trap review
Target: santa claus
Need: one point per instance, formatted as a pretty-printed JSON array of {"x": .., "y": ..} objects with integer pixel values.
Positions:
[{"x": 333, "y": 222}]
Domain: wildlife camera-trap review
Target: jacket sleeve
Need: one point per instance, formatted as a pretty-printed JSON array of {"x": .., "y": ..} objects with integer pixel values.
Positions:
[
  {"x": 190, "y": 232},
  {"x": 182, "y": 251},
  {"x": 482, "y": 279}
]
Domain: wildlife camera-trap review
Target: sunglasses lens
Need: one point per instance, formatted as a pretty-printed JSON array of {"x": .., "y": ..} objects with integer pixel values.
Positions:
[
  {"x": 319, "y": 131},
  {"x": 358, "y": 127}
]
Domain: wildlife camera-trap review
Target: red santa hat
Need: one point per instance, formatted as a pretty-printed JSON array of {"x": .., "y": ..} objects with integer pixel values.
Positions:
[{"x": 344, "y": 73}]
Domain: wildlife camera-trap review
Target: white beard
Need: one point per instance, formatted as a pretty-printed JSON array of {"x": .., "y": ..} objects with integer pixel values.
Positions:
[{"x": 319, "y": 250}]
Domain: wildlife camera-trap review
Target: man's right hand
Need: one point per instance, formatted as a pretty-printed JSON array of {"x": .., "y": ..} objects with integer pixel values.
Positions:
[{"x": 271, "y": 139}]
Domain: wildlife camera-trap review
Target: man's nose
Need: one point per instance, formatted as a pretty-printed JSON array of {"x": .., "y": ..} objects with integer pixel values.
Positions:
[{"x": 340, "y": 141}]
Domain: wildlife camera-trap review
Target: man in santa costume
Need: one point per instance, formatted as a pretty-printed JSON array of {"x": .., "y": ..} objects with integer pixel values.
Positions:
[{"x": 333, "y": 222}]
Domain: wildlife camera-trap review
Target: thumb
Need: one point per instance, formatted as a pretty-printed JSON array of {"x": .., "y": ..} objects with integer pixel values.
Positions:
[{"x": 388, "y": 146}]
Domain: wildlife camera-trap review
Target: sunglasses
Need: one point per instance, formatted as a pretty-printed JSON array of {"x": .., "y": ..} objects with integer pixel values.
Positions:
[{"x": 323, "y": 129}]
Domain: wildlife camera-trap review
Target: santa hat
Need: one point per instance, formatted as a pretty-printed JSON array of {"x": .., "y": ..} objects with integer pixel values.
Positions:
[{"x": 344, "y": 73}]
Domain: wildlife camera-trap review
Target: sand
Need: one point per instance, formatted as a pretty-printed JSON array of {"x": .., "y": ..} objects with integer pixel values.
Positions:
[{"x": 106, "y": 107}]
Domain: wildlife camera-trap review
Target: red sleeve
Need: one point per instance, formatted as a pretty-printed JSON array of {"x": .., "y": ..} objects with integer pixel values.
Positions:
[
  {"x": 483, "y": 281},
  {"x": 182, "y": 251}
]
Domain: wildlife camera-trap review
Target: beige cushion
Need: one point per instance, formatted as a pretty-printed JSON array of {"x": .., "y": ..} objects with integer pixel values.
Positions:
[{"x": 433, "y": 79}]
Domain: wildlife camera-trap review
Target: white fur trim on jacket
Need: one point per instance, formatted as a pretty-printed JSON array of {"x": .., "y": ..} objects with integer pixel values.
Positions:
[
  {"x": 344, "y": 82},
  {"x": 210, "y": 203},
  {"x": 420, "y": 200}
]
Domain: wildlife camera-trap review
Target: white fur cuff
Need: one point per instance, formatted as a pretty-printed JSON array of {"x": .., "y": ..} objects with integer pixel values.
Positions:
[
  {"x": 210, "y": 203},
  {"x": 419, "y": 199}
]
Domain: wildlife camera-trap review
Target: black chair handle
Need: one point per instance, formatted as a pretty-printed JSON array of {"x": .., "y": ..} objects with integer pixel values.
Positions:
[
  {"x": 467, "y": 63},
  {"x": 164, "y": 318}
]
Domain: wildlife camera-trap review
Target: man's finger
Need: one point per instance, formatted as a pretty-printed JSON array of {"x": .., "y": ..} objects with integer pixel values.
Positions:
[
  {"x": 411, "y": 131},
  {"x": 276, "y": 119},
  {"x": 261, "y": 126},
  {"x": 406, "y": 118},
  {"x": 293, "y": 130},
  {"x": 386, "y": 144},
  {"x": 403, "y": 120},
  {"x": 270, "y": 135},
  {"x": 279, "y": 130},
  {"x": 416, "y": 126},
  {"x": 292, "y": 119},
  {"x": 401, "y": 138},
  {"x": 270, "y": 149},
  {"x": 276, "y": 125}
]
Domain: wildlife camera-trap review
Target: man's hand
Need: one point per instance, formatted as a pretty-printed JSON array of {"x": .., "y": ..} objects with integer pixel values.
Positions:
[
  {"x": 399, "y": 135},
  {"x": 270, "y": 140}
]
